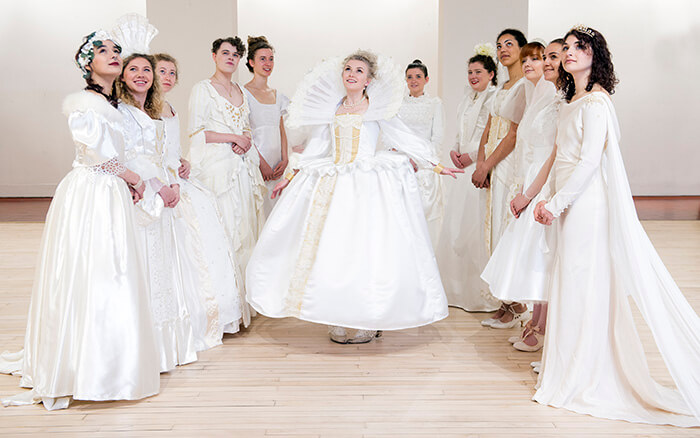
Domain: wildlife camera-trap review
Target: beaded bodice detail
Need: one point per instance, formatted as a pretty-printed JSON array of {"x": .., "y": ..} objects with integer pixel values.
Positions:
[{"x": 346, "y": 129}]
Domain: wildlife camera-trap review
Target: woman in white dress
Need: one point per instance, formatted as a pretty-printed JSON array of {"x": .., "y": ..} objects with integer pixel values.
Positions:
[
  {"x": 424, "y": 114},
  {"x": 267, "y": 107},
  {"x": 348, "y": 245},
  {"x": 141, "y": 105},
  {"x": 210, "y": 274},
  {"x": 89, "y": 331},
  {"x": 220, "y": 149},
  {"x": 520, "y": 265},
  {"x": 461, "y": 253},
  {"x": 494, "y": 164},
  {"x": 593, "y": 360}
]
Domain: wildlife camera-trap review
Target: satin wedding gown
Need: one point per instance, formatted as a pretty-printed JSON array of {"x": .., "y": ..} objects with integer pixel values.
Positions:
[
  {"x": 89, "y": 330},
  {"x": 593, "y": 360}
]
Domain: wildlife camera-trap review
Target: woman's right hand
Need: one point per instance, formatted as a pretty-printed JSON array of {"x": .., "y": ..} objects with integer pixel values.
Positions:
[
  {"x": 265, "y": 169},
  {"x": 242, "y": 142},
  {"x": 279, "y": 187},
  {"x": 542, "y": 215},
  {"x": 169, "y": 196}
]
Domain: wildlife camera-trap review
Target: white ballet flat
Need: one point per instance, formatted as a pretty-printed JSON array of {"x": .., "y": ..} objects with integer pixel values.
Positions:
[
  {"x": 364, "y": 336},
  {"x": 338, "y": 334}
]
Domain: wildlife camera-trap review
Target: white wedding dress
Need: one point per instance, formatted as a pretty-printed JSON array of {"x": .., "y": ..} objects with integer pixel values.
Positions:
[
  {"x": 89, "y": 330},
  {"x": 211, "y": 276},
  {"x": 508, "y": 106},
  {"x": 347, "y": 243},
  {"x": 145, "y": 155},
  {"x": 234, "y": 179},
  {"x": 593, "y": 360},
  {"x": 425, "y": 115},
  {"x": 461, "y": 251},
  {"x": 519, "y": 269},
  {"x": 267, "y": 137}
]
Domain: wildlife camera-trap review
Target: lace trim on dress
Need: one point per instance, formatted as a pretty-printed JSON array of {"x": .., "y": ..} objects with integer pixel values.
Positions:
[
  {"x": 309, "y": 246},
  {"x": 111, "y": 167}
]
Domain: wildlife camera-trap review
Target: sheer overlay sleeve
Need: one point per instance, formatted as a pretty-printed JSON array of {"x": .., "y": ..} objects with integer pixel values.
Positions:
[{"x": 594, "y": 118}]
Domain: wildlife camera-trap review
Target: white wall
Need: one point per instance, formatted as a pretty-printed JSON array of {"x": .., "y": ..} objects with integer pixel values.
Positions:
[
  {"x": 655, "y": 51},
  {"x": 464, "y": 24},
  {"x": 39, "y": 41},
  {"x": 305, "y": 31}
]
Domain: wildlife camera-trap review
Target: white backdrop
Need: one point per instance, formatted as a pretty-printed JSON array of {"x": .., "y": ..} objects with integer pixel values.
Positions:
[
  {"x": 654, "y": 47},
  {"x": 655, "y": 51}
]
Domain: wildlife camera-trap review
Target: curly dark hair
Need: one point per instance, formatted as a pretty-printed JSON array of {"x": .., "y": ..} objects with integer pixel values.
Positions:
[
  {"x": 518, "y": 35},
  {"x": 602, "y": 69},
  {"x": 94, "y": 86},
  {"x": 234, "y": 41},
  {"x": 417, "y": 63},
  {"x": 255, "y": 44},
  {"x": 488, "y": 64}
]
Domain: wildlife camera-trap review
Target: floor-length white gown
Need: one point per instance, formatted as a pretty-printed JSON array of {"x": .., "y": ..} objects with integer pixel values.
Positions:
[
  {"x": 89, "y": 330},
  {"x": 347, "y": 244},
  {"x": 267, "y": 137},
  {"x": 593, "y": 360},
  {"x": 145, "y": 154},
  {"x": 520, "y": 266},
  {"x": 461, "y": 250},
  {"x": 425, "y": 115},
  {"x": 211, "y": 276}
]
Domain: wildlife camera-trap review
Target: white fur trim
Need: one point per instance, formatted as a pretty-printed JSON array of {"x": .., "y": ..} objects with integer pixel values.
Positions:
[{"x": 83, "y": 101}]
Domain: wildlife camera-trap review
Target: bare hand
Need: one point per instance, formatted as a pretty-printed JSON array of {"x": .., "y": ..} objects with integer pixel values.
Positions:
[
  {"x": 480, "y": 176},
  {"x": 465, "y": 160},
  {"x": 135, "y": 196},
  {"x": 451, "y": 172},
  {"x": 279, "y": 187},
  {"x": 265, "y": 169},
  {"x": 237, "y": 149},
  {"x": 278, "y": 171},
  {"x": 518, "y": 204},
  {"x": 454, "y": 155},
  {"x": 169, "y": 196},
  {"x": 542, "y": 215},
  {"x": 242, "y": 142},
  {"x": 176, "y": 189},
  {"x": 413, "y": 163},
  {"x": 184, "y": 169}
]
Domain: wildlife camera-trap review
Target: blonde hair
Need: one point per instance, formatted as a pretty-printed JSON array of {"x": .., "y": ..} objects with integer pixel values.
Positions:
[
  {"x": 154, "y": 98},
  {"x": 167, "y": 58},
  {"x": 368, "y": 58}
]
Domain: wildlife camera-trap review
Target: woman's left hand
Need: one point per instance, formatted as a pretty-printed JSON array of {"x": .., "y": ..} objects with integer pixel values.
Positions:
[
  {"x": 451, "y": 172},
  {"x": 184, "y": 169},
  {"x": 278, "y": 171}
]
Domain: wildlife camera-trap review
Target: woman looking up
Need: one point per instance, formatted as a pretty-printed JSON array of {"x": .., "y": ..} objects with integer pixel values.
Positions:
[{"x": 89, "y": 331}]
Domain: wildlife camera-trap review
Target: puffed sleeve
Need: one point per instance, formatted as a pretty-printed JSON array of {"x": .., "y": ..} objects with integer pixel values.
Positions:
[
  {"x": 200, "y": 108},
  {"x": 402, "y": 138},
  {"x": 513, "y": 106},
  {"x": 438, "y": 129},
  {"x": 317, "y": 146},
  {"x": 595, "y": 130},
  {"x": 102, "y": 144}
]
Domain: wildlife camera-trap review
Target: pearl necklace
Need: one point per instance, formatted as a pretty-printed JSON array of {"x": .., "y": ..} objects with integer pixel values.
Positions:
[{"x": 352, "y": 105}]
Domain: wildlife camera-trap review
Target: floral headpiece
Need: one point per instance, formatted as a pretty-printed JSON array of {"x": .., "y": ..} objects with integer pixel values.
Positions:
[
  {"x": 87, "y": 50},
  {"x": 584, "y": 29},
  {"x": 486, "y": 49}
]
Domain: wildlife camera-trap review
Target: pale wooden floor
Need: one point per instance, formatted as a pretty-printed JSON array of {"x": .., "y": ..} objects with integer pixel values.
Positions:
[{"x": 285, "y": 378}]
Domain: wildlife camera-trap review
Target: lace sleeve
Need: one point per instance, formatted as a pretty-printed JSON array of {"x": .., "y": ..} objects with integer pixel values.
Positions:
[{"x": 111, "y": 167}]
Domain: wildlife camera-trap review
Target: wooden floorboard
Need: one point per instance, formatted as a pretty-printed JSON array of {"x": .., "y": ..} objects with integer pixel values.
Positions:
[{"x": 284, "y": 378}]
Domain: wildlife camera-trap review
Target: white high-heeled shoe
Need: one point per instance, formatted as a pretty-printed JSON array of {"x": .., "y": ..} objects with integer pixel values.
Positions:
[
  {"x": 518, "y": 318},
  {"x": 522, "y": 346},
  {"x": 488, "y": 321}
]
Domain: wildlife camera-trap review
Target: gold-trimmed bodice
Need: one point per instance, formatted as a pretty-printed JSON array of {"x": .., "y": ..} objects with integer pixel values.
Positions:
[{"x": 346, "y": 129}]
